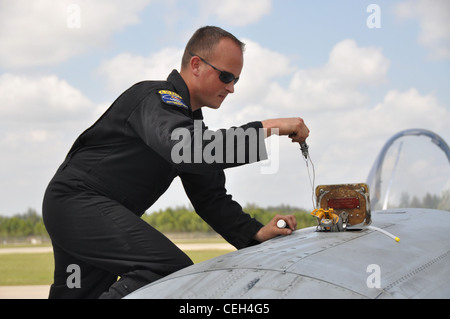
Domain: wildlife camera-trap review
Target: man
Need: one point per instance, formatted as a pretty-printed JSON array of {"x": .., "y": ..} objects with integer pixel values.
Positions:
[{"x": 121, "y": 165}]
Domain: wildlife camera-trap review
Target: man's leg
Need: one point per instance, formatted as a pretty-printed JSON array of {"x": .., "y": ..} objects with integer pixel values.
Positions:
[
  {"x": 104, "y": 237},
  {"x": 92, "y": 281},
  {"x": 148, "y": 255}
]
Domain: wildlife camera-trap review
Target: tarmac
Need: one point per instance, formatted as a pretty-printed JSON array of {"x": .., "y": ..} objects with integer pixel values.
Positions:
[{"x": 24, "y": 292}]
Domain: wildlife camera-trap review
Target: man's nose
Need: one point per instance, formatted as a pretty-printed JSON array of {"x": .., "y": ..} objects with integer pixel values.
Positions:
[{"x": 230, "y": 87}]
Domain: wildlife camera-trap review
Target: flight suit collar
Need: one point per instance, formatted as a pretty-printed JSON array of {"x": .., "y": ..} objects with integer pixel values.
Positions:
[{"x": 181, "y": 88}]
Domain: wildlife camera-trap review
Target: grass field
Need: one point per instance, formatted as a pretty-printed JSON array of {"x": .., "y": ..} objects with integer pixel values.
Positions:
[
  {"x": 37, "y": 269},
  {"x": 26, "y": 269}
]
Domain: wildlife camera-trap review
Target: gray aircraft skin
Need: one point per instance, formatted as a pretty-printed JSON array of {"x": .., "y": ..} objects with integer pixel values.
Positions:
[{"x": 361, "y": 262}]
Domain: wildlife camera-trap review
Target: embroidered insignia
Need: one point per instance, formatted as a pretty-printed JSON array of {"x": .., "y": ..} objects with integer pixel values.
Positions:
[{"x": 172, "y": 98}]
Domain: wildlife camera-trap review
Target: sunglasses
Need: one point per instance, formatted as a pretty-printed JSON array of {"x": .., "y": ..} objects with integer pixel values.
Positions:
[{"x": 224, "y": 76}]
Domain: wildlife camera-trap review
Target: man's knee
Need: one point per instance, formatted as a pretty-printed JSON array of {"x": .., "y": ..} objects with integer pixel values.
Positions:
[
  {"x": 183, "y": 261},
  {"x": 130, "y": 282}
]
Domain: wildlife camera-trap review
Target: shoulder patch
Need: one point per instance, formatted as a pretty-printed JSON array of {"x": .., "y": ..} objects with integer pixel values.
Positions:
[{"x": 172, "y": 98}]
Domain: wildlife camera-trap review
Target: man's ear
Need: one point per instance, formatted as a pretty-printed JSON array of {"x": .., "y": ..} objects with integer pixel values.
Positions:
[{"x": 195, "y": 65}]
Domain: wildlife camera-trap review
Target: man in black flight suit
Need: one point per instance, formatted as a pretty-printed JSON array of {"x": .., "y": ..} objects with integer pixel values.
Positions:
[{"x": 123, "y": 163}]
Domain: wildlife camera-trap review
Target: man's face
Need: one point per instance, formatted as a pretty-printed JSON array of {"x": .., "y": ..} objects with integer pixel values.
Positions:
[{"x": 226, "y": 57}]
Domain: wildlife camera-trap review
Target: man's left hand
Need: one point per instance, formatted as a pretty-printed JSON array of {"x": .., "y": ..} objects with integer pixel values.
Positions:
[{"x": 271, "y": 230}]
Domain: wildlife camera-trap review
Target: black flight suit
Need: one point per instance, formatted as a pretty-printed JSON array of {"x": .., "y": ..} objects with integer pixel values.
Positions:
[{"x": 114, "y": 172}]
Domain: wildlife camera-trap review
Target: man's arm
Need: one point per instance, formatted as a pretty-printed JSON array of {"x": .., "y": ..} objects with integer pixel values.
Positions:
[
  {"x": 297, "y": 131},
  {"x": 188, "y": 145},
  {"x": 294, "y": 127},
  {"x": 211, "y": 202}
]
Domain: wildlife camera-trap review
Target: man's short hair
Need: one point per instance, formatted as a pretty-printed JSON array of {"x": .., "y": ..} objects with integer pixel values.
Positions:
[{"x": 203, "y": 42}]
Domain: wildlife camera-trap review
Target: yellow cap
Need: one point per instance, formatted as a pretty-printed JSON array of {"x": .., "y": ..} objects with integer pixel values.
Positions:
[{"x": 397, "y": 239}]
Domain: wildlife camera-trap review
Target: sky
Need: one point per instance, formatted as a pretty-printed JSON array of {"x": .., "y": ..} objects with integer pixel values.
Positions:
[{"x": 357, "y": 72}]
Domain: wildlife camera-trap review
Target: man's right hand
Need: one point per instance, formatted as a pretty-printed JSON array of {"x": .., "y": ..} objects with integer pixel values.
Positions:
[{"x": 294, "y": 127}]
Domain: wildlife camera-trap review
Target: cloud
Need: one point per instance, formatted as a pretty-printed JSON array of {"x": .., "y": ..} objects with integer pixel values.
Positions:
[
  {"x": 40, "y": 117},
  {"x": 410, "y": 109},
  {"x": 261, "y": 66},
  {"x": 125, "y": 69},
  {"x": 47, "y": 32},
  {"x": 363, "y": 131},
  {"x": 262, "y": 69},
  {"x": 45, "y": 100},
  {"x": 237, "y": 12},
  {"x": 347, "y": 128},
  {"x": 434, "y": 22},
  {"x": 334, "y": 85}
]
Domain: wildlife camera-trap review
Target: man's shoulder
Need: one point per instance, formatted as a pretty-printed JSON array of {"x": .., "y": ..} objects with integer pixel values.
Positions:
[
  {"x": 149, "y": 86},
  {"x": 140, "y": 91}
]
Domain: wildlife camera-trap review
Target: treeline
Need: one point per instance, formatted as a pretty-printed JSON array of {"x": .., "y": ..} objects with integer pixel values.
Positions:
[
  {"x": 170, "y": 220},
  {"x": 28, "y": 224},
  {"x": 184, "y": 219},
  {"x": 428, "y": 201}
]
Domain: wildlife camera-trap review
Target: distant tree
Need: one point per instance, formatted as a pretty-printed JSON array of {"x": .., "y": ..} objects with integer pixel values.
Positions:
[
  {"x": 27, "y": 224},
  {"x": 182, "y": 219},
  {"x": 444, "y": 203},
  {"x": 428, "y": 201}
]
